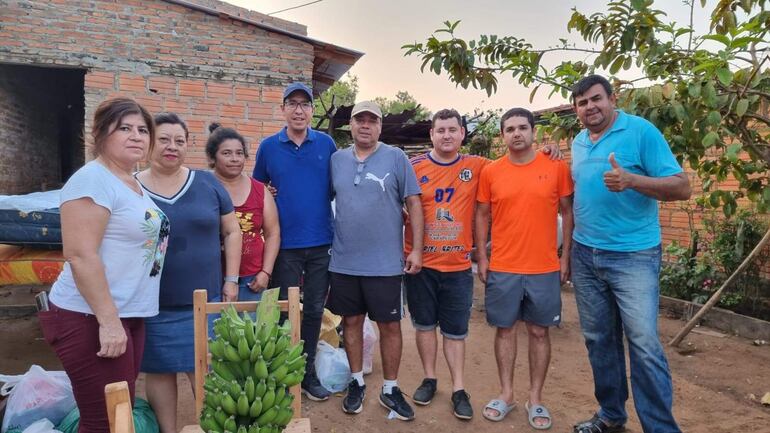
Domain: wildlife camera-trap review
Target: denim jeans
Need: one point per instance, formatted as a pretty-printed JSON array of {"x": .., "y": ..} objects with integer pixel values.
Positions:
[
  {"x": 307, "y": 268},
  {"x": 244, "y": 292},
  {"x": 616, "y": 294}
]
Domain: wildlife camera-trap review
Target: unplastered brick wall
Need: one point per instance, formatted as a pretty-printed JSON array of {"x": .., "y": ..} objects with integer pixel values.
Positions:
[
  {"x": 28, "y": 134},
  {"x": 166, "y": 56}
]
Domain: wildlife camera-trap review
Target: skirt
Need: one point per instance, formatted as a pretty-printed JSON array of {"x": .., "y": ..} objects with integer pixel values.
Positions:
[{"x": 170, "y": 341}]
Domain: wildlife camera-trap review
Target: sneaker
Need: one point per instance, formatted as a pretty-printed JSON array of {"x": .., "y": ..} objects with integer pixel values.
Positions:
[
  {"x": 395, "y": 402},
  {"x": 312, "y": 387},
  {"x": 462, "y": 404},
  {"x": 425, "y": 392},
  {"x": 354, "y": 401}
]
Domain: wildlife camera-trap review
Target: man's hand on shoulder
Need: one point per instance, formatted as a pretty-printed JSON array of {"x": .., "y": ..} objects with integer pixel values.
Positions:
[
  {"x": 273, "y": 190},
  {"x": 553, "y": 151}
]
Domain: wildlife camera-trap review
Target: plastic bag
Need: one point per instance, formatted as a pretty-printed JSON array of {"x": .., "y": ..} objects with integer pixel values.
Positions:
[
  {"x": 35, "y": 395},
  {"x": 144, "y": 419},
  {"x": 332, "y": 368},
  {"x": 370, "y": 340},
  {"x": 41, "y": 426}
]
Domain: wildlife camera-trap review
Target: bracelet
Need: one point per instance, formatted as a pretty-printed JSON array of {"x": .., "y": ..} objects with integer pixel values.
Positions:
[
  {"x": 269, "y": 275},
  {"x": 231, "y": 280}
]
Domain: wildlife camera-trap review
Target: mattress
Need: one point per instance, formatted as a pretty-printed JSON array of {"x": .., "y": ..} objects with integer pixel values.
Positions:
[
  {"x": 37, "y": 229},
  {"x": 23, "y": 265}
]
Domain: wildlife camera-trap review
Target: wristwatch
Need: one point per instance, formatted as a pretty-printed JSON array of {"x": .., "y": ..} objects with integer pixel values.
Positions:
[{"x": 231, "y": 280}]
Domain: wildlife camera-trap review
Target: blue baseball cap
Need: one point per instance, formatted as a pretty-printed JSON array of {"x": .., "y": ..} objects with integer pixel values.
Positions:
[{"x": 293, "y": 87}]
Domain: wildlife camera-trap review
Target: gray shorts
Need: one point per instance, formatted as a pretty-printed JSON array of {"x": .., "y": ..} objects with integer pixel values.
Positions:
[{"x": 533, "y": 298}]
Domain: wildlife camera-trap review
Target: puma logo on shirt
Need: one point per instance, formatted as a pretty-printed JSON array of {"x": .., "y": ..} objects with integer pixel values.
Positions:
[{"x": 370, "y": 176}]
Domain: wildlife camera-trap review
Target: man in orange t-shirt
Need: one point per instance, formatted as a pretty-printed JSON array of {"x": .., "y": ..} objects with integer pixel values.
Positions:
[
  {"x": 441, "y": 294},
  {"x": 524, "y": 191}
]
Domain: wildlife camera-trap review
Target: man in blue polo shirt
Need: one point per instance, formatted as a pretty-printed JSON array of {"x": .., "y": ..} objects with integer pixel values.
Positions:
[
  {"x": 622, "y": 166},
  {"x": 295, "y": 161}
]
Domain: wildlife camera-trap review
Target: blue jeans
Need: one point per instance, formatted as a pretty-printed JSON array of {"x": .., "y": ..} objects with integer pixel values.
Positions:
[
  {"x": 244, "y": 292},
  {"x": 617, "y": 293}
]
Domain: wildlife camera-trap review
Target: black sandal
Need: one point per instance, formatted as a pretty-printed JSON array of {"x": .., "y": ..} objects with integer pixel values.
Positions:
[{"x": 597, "y": 425}]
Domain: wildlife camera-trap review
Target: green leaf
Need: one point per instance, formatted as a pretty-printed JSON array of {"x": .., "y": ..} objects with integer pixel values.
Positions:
[
  {"x": 729, "y": 209},
  {"x": 679, "y": 111},
  {"x": 733, "y": 150},
  {"x": 766, "y": 193},
  {"x": 532, "y": 94},
  {"x": 638, "y": 4},
  {"x": 719, "y": 38},
  {"x": 616, "y": 65},
  {"x": 693, "y": 89},
  {"x": 741, "y": 107},
  {"x": 714, "y": 198},
  {"x": 705, "y": 65},
  {"x": 710, "y": 139},
  {"x": 725, "y": 76},
  {"x": 713, "y": 118}
]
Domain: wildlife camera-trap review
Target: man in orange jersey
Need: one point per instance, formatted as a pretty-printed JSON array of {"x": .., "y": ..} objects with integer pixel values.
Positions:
[
  {"x": 442, "y": 292},
  {"x": 524, "y": 192}
]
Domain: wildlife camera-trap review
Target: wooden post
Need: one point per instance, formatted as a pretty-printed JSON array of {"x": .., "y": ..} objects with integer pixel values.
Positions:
[
  {"x": 201, "y": 324},
  {"x": 718, "y": 294},
  {"x": 119, "y": 412}
]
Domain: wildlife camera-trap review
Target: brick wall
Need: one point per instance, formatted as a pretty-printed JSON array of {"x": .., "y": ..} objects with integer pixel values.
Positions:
[
  {"x": 35, "y": 123},
  {"x": 168, "y": 57}
]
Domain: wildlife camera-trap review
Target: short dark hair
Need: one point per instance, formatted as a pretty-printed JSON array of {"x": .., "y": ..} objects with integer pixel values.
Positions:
[
  {"x": 518, "y": 112},
  {"x": 219, "y": 134},
  {"x": 112, "y": 111},
  {"x": 171, "y": 119},
  {"x": 447, "y": 113},
  {"x": 586, "y": 83}
]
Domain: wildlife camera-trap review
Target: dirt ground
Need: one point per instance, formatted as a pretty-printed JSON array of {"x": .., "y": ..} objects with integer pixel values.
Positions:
[{"x": 718, "y": 381}]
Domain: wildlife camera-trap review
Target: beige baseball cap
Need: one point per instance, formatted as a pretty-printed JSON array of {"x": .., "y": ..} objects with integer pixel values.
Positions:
[{"x": 366, "y": 106}]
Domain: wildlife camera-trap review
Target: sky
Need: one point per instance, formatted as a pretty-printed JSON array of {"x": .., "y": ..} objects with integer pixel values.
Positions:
[{"x": 380, "y": 28}]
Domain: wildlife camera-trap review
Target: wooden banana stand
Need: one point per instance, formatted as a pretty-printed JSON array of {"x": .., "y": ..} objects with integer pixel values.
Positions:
[{"x": 201, "y": 309}]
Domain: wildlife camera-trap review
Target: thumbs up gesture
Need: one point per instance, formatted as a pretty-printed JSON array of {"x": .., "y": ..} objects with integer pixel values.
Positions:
[{"x": 617, "y": 179}]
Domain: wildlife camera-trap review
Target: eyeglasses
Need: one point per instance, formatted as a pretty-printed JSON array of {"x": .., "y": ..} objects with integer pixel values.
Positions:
[
  {"x": 292, "y": 105},
  {"x": 359, "y": 170}
]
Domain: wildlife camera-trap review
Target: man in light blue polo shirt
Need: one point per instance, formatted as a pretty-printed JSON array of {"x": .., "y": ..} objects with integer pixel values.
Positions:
[
  {"x": 622, "y": 166},
  {"x": 295, "y": 161}
]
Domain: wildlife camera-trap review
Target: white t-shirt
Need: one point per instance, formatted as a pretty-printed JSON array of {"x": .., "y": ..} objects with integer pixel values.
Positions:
[{"x": 132, "y": 250}]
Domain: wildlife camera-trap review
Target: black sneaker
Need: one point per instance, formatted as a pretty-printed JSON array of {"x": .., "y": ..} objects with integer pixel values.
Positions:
[
  {"x": 425, "y": 392},
  {"x": 354, "y": 401},
  {"x": 462, "y": 404},
  {"x": 395, "y": 402},
  {"x": 312, "y": 387}
]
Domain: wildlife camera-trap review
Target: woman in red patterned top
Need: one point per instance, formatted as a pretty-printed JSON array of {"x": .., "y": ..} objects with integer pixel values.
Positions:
[{"x": 254, "y": 207}]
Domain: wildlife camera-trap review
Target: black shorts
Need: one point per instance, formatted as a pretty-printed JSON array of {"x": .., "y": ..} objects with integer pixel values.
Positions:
[
  {"x": 440, "y": 298},
  {"x": 353, "y": 295}
]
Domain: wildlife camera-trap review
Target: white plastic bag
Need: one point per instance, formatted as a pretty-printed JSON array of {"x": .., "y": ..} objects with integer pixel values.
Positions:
[
  {"x": 41, "y": 426},
  {"x": 370, "y": 340},
  {"x": 35, "y": 395},
  {"x": 332, "y": 368}
]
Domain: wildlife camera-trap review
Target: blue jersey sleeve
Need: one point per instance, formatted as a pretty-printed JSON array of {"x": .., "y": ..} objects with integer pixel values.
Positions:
[
  {"x": 656, "y": 156},
  {"x": 260, "y": 166}
]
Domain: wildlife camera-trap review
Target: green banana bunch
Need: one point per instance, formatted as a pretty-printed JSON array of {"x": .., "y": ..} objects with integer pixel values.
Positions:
[{"x": 253, "y": 365}]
